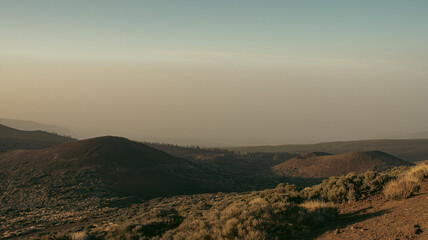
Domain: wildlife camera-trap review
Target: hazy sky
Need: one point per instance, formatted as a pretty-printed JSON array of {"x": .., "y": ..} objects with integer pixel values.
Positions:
[{"x": 217, "y": 72}]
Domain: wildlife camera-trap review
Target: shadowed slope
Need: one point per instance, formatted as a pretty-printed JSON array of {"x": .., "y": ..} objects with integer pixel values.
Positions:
[
  {"x": 105, "y": 166},
  {"x": 326, "y": 165},
  {"x": 11, "y": 138}
]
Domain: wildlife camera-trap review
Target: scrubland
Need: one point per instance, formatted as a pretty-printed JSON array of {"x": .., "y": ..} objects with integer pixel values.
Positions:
[{"x": 284, "y": 212}]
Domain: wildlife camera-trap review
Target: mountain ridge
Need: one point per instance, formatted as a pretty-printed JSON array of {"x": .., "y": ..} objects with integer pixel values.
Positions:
[
  {"x": 29, "y": 125},
  {"x": 411, "y": 150},
  {"x": 11, "y": 138}
]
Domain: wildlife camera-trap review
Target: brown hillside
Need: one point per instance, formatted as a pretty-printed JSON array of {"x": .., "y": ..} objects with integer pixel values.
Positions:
[
  {"x": 326, "y": 165},
  {"x": 11, "y": 138},
  {"x": 105, "y": 166}
]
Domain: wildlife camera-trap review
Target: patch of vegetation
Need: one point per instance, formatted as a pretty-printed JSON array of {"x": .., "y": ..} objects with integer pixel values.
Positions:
[
  {"x": 241, "y": 216},
  {"x": 401, "y": 188},
  {"x": 281, "y": 212},
  {"x": 419, "y": 171},
  {"x": 406, "y": 185},
  {"x": 319, "y": 211},
  {"x": 351, "y": 187},
  {"x": 250, "y": 219}
]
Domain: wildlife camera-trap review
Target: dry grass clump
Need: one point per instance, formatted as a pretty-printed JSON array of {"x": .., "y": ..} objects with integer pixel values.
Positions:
[
  {"x": 401, "y": 188},
  {"x": 406, "y": 185},
  {"x": 419, "y": 171},
  {"x": 317, "y": 205},
  {"x": 319, "y": 211},
  {"x": 79, "y": 236}
]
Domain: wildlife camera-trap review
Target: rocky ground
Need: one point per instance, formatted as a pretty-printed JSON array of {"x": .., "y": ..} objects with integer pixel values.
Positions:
[{"x": 378, "y": 218}]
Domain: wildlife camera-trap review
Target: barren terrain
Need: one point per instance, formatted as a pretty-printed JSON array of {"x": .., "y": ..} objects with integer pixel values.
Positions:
[{"x": 378, "y": 218}]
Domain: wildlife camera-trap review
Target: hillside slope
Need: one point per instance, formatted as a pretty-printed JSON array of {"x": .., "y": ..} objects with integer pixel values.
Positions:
[
  {"x": 11, "y": 138},
  {"x": 28, "y": 125},
  {"x": 96, "y": 168},
  {"x": 321, "y": 164},
  {"x": 412, "y": 150}
]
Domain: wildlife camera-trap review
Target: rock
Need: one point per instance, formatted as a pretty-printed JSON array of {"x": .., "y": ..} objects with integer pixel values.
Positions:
[{"x": 418, "y": 229}]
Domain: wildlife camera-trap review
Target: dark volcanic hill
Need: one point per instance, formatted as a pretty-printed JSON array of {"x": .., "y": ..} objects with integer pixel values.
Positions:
[
  {"x": 11, "y": 138},
  {"x": 319, "y": 164},
  {"x": 96, "y": 168}
]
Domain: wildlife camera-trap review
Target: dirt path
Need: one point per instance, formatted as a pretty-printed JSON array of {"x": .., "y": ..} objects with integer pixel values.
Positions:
[{"x": 378, "y": 218}]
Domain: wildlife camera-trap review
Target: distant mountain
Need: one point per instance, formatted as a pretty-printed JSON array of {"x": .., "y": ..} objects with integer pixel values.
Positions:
[
  {"x": 411, "y": 150},
  {"x": 33, "y": 126},
  {"x": 419, "y": 135},
  {"x": 326, "y": 165},
  {"x": 97, "y": 168},
  {"x": 11, "y": 138}
]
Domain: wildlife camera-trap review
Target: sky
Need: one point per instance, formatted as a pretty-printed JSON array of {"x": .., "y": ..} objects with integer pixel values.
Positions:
[{"x": 217, "y": 73}]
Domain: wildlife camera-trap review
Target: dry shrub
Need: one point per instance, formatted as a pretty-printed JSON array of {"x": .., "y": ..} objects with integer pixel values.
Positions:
[
  {"x": 350, "y": 187},
  {"x": 153, "y": 223},
  {"x": 420, "y": 171},
  {"x": 240, "y": 220},
  {"x": 316, "y": 205},
  {"x": 406, "y": 185},
  {"x": 256, "y": 215},
  {"x": 79, "y": 236},
  {"x": 401, "y": 188},
  {"x": 254, "y": 218},
  {"x": 319, "y": 211}
]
